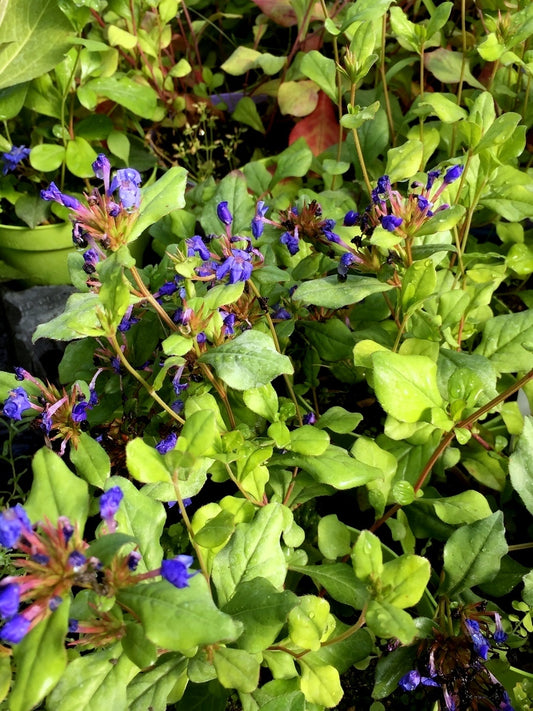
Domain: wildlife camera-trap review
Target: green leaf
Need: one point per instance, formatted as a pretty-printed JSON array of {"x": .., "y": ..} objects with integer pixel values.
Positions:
[
  {"x": 253, "y": 551},
  {"x": 466, "y": 507},
  {"x": 164, "y": 196},
  {"x": 263, "y": 611},
  {"x": 449, "y": 67},
  {"x": 472, "y": 554},
  {"x": 406, "y": 385},
  {"x": 119, "y": 145},
  {"x": 240, "y": 61},
  {"x": 320, "y": 683},
  {"x": 405, "y": 160},
  {"x": 56, "y": 491},
  {"x": 386, "y": 621},
  {"x": 179, "y": 619},
  {"x": 367, "y": 557},
  {"x": 11, "y": 102},
  {"x": 521, "y": 465},
  {"x": 78, "y": 320},
  {"x": 248, "y": 361},
  {"x": 441, "y": 221},
  {"x": 333, "y": 294},
  {"x": 332, "y": 339},
  {"x": 358, "y": 115},
  {"x": 294, "y": 161},
  {"x": 237, "y": 669},
  {"x": 91, "y": 460},
  {"x": 444, "y": 107},
  {"x": 40, "y": 659},
  {"x": 246, "y": 112},
  {"x": 309, "y": 440},
  {"x": 217, "y": 531},
  {"x": 200, "y": 431},
  {"x": 333, "y": 537},
  {"x": 151, "y": 689},
  {"x": 232, "y": 189},
  {"x": 419, "y": 282},
  {"x": 107, "y": 547},
  {"x": 322, "y": 70},
  {"x": 507, "y": 341},
  {"x": 80, "y": 157},
  {"x": 339, "y": 420},
  {"x": 47, "y": 157},
  {"x": 140, "y": 99},
  {"x": 94, "y": 682},
  {"x": 33, "y": 40},
  {"x": 263, "y": 401},
  {"x": 339, "y": 580},
  {"x": 404, "y": 580},
  {"x": 144, "y": 463}
]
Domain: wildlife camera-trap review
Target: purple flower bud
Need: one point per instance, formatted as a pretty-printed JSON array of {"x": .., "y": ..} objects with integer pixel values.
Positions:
[
  {"x": 291, "y": 242},
  {"x": 20, "y": 373},
  {"x": 134, "y": 559},
  {"x": 309, "y": 418},
  {"x": 281, "y": 314},
  {"x": 228, "y": 324},
  {"x": 432, "y": 176},
  {"x": 55, "y": 602},
  {"x": 127, "y": 181},
  {"x": 331, "y": 236},
  {"x": 16, "y": 403},
  {"x": 223, "y": 213},
  {"x": 423, "y": 202},
  {"x": 196, "y": 244},
  {"x": 167, "y": 289},
  {"x": 176, "y": 570},
  {"x": 14, "y": 157},
  {"x": 201, "y": 338},
  {"x": 110, "y": 501},
  {"x": 52, "y": 193},
  {"x": 177, "y": 406},
  {"x": 9, "y": 600},
  {"x": 480, "y": 644},
  {"x": 79, "y": 411},
  {"x": 499, "y": 635},
  {"x": 72, "y": 625},
  {"x": 350, "y": 218},
  {"x": 167, "y": 444},
  {"x": 384, "y": 184},
  {"x": 13, "y": 522},
  {"x": 452, "y": 174},
  {"x": 15, "y": 630},
  {"x": 391, "y": 222},
  {"x": 102, "y": 166},
  {"x": 76, "y": 560},
  {"x": 238, "y": 266},
  {"x": 410, "y": 681},
  {"x": 40, "y": 558},
  {"x": 67, "y": 528}
]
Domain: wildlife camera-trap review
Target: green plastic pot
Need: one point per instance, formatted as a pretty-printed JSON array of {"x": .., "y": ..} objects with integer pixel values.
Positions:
[{"x": 40, "y": 255}]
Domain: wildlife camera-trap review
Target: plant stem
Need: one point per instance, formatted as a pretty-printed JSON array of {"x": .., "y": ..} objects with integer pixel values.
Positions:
[
  {"x": 187, "y": 522},
  {"x": 358, "y": 148}
]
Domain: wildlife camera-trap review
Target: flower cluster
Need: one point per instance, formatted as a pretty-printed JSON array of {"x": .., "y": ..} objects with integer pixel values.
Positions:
[
  {"x": 454, "y": 664},
  {"x": 61, "y": 415},
  {"x": 12, "y": 158},
  {"x": 104, "y": 221},
  {"x": 55, "y": 558}
]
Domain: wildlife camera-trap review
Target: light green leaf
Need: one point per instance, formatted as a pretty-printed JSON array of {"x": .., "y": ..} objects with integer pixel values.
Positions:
[
  {"x": 56, "y": 491},
  {"x": 339, "y": 420},
  {"x": 80, "y": 156},
  {"x": 246, "y": 112},
  {"x": 161, "y": 198},
  {"x": 253, "y": 551},
  {"x": 386, "y": 621},
  {"x": 40, "y": 659},
  {"x": 507, "y": 341},
  {"x": 150, "y": 690},
  {"x": 320, "y": 683},
  {"x": 322, "y": 71},
  {"x": 91, "y": 460},
  {"x": 310, "y": 622},
  {"x": 339, "y": 580},
  {"x": 405, "y": 160},
  {"x": 78, "y": 320},
  {"x": 140, "y": 99},
  {"x": 297, "y": 98},
  {"x": 263, "y": 401},
  {"x": 333, "y": 294},
  {"x": 240, "y": 61},
  {"x": 521, "y": 465},
  {"x": 248, "y": 361},
  {"x": 333, "y": 537},
  {"x": 406, "y": 385},
  {"x": 466, "y": 507},
  {"x": 294, "y": 161},
  {"x": 144, "y": 463},
  {"x": 47, "y": 157},
  {"x": 404, "y": 580},
  {"x": 472, "y": 554},
  {"x": 309, "y": 440},
  {"x": 237, "y": 669},
  {"x": 179, "y": 619},
  {"x": 367, "y": 557},
  {"x": 446, "y": 109}
]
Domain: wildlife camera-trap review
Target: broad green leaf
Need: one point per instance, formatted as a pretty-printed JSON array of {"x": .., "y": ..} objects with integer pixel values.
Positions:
[
  {"x": 119, "y": 145},
  {"x": 473, "y": 552},
  {"x": 367, "y": 557},
  {"x": 200, "y": 432},
  {"x": 5, "y": 676},
  {"x": 332, "y": 339},
  {"x": 405, "y": 31},
  {"x": 160, "y": 199},
  {"x": 284, "y": 701},
  {"x": 120, "y": 37},
  {"x": 47, "y": 156},
  {"x": 405, "y": 160},
  {"x": 33, "y": 40},
  {"x": 179, "y": 619},
  {"x": 449, "y": 67},
  {"x": 223, "y": 295},
  {"x": 294, "y": 161},
  {"x": 446, "y": 109},
  {"x": 390, "y": 669},
  {"x": 141, "y": 517},
  {"x": 240, "y": 61},
  {"x": 11, "y": 102},
  {"x": 263, "y": 611},
  {"x": 507, "y": 341},
  {"x": 333, "y": 537},
  {"x": 334, "y": 467},
  {"x": 348, "y": 651},
  {"x": 332, "y": 294},
  {"x": 406, "y": 385},
  {"x": 297, "y": 98},
  {"x": 140, "y": 99},
  {"x": 150, "y": 690},
  {"x": 521, "y": 465},
  {"x": 80, "y": 156},
  {"x": 359, "y": 115},
  {"x": 56, "y": 491},
  {"x": 91, "y": 460},
  {"x": 322, "y": 70},
  {"x": 248, "y": 361},
  {"x": 441, "y": 221},
  {"x": 233, "y": 190},
  {"x": 339, "y": 420},
  {"x": 418, "y": 283},
  {"x": 466, "y": 507},
  {"x": 310, "y": 622},
  {"x": 94, "y": 682},
  {"x": 246, "y": 112},
  {"x": 40, "y": 659},
  {"x": 106, "y": 547},
  {"x": 263, "y": 401},
  {"x": 144, "y": 463},
  {"x": 309, "y": 440},
  {"x": 386, "y": 621},
  {"x": 404, "y": 580},
  {"x": 78, "y": 320},
  {"x": 383, "y": 463},
  {"x": 320, "y": 683},
  {"x": 237, "y": 669},
  {"x": 216, "y": 531},
  {"x": 339, "y": 580},
  {"x": 253, "y": 551}
]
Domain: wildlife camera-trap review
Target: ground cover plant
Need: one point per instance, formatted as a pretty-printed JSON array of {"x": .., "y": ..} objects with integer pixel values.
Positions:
[{"x": 287, "y": 463}]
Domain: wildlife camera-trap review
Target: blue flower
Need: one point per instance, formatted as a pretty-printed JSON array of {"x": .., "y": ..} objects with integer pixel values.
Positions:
[
  {"x": 196, "y": 244},
  {"x": 499, "y": 635},
  {"x": 176, "y": 570},
  {"x": 14, "y": 157},
  {"x": 9, "y": 600},
  {"x": 13, "y": 522},
  {"x": 134, "y": 559},
  {"x": 55, "y": 602},
  {"x": 127, "y": 181},
  {"x": 291, "y": 241},
  {"x": 432, "y": 176},
  {"x": 309, "y": 418},
  {"x": 384, "y": 184},
  {"x": 350, "y": 218},
  {"x": 257, "y": 222},
  {"x": 391, "y": 222},
  {"x": 412, "y": 679},
  {"x": 53, "y": 193},
  {"x": 480, "y": 644},
  {"x": 15, "y": 630},
  {"x": 91, "y": 259},
  {"x": 79, "y": 411},
  {"x": 76, "y": 559},
  {"x": 167, "y": 444},
  {"x": 102, "y": 167},
  {"x": 237, "y": 265},
  {"x": 228, "y": 324},
  {"x": 223, "y": 213},
  {"x": 452, "y": 174},
  {"x": 423, "y": 202},
  {"x": 346, "y": 260},
  {"x": 281, "y": 314},
  {"x": 110, "y": 501},
  {"x": 72, "y": 625},
  {"x": 16, "y": 403}
]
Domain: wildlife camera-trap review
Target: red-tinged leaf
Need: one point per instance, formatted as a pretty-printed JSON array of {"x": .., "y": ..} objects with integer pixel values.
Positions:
[
  {"x": 282, "y": 13},
  {"x": 320, "y": 129}
]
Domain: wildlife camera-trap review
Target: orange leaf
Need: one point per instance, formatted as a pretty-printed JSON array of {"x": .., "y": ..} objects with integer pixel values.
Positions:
[{"x": 320, "y": 129}]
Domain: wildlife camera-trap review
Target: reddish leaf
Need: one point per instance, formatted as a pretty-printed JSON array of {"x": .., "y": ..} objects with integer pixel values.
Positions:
[
  {"x": 281, "y": 12},
  {"x": 320, "y": 129}
]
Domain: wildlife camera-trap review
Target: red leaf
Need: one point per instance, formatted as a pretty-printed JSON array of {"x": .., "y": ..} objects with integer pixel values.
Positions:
[
  {"x": 282, "y": 13},
  {"x": 320, "y": 129}
]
